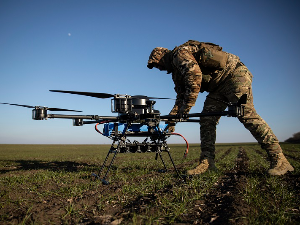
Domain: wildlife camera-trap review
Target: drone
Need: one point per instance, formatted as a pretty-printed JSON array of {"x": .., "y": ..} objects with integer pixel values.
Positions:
[{"x": 136, "y": 117}]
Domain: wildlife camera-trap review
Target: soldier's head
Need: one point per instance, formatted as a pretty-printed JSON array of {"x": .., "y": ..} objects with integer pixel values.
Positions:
[{"x": 157, "y": 58}]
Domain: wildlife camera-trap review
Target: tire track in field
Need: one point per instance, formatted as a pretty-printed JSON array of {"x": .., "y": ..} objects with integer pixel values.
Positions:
[
  {"x": 224, "y": 204},
  {"x": 224, "y": 154},
  {"x": 260, "y": 152}
]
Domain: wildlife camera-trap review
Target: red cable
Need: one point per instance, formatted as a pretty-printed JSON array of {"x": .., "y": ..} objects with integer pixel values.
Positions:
[
  {"x": 187, "y": 144},
  {"x": 97, "y": 129},
  {"x": 98, "y": 124}
]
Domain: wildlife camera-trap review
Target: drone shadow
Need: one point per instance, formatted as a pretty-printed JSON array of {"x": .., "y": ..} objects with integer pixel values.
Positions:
[{"x": 23, "y": 165}]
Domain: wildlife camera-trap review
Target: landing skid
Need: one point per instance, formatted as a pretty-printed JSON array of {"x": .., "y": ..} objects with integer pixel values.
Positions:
[{"x": 157, "y": 147}]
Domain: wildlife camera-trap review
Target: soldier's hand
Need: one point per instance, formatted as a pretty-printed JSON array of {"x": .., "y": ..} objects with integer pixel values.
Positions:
[
  {"x": 183, "y": 111},
  {"x": 171, "y": 126},
  {"x": 171, "y": 129}
]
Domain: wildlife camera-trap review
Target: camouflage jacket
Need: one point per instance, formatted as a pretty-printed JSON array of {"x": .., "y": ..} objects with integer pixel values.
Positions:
[{"x": 190, "y": 76}]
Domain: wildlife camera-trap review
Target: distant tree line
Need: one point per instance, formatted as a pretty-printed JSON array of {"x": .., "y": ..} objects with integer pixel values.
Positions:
[{"x": 294, "y": 139}]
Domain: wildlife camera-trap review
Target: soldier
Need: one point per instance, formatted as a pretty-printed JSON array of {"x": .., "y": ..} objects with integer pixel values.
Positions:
[{"x": 202, "y": 66}]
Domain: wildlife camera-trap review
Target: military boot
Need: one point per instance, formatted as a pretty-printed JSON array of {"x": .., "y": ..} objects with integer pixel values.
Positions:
[
  {"x": 205, "y": 165},
  {"x": 279, "y": 164}
]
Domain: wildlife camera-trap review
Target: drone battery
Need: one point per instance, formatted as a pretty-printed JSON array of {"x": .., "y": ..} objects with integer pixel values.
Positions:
[
  {"x": 110, "y": 129},
  {"x": 145, "y": 128},
  {"x": 138, "y": 128}
]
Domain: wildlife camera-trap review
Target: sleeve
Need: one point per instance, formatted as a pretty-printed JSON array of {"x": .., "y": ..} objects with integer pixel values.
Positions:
[
  {"x": 179, "y": 87},
  {"x": 191, "y": 78}
]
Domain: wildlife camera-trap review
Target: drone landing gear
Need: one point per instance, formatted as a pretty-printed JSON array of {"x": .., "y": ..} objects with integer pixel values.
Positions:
[
  {"x": 123, "y": 147},
  {"x": 111, "y": 150},
  {"x": 158, "y": 153}
]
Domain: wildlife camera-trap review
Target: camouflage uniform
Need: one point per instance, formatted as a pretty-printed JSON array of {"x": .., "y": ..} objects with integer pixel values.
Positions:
[{"x": 227, "y": 84}]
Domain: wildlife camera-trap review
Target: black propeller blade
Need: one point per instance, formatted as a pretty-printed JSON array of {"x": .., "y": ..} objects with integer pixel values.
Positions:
[
  {"x": 59, "y": 109},
  {"x": 27, "y": 106},
  {"x": 144, "y": 96},
  {"x": 103, "y": 95},
  {"x": 91, "y": 94},
  {"x": 50, "y": 109}
]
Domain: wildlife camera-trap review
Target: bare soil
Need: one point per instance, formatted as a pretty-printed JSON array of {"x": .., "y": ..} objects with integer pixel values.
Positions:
[{"x": 223, "y": 204}]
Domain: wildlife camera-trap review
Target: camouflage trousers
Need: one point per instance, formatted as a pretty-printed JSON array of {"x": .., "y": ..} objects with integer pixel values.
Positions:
[{"x": 239, "y": 82}]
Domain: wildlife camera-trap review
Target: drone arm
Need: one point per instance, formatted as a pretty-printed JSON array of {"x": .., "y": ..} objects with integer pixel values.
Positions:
[
  {"x": 233, "y": 111},
  {"x": 91, "y": 117},
  {"x": 225, "y": 113}
]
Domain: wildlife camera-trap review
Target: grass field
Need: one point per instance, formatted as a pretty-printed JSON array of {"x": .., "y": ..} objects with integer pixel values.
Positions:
[{"x": 52, "y": 184}]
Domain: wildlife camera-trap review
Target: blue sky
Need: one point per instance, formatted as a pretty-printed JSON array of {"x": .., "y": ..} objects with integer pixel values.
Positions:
[{"x": 103, "y": 46}]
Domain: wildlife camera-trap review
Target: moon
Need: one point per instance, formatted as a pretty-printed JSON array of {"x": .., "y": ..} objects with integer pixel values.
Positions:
[{"x": 69, "y": 34}]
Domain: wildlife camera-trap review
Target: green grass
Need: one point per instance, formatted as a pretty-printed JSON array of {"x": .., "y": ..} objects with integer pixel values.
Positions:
[{"x": 50, "y": 184}]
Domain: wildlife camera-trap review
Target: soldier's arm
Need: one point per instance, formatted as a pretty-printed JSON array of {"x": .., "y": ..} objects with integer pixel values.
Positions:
[
  {"x": 187, "y": 65},
  {"x": 179, "y": 87}
]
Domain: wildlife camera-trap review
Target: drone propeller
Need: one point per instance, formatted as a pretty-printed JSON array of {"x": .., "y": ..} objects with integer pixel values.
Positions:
[
  {"x": 147, "y": 97},
  {"x": 91, "y": 94},
  {"x": 103, "y": 95},
  {"x": 50, "y": 109}
]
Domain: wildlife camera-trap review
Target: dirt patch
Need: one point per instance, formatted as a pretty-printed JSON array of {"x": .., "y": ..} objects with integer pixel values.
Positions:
[
  {"x": 224, "y": 203},
  {"x": 294, "y": 185}
]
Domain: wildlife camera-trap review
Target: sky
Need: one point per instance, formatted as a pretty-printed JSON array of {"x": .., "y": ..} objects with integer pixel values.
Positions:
[{"x": 104, "y": 46}]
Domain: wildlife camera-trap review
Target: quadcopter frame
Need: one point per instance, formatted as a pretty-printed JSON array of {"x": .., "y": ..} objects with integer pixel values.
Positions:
[{"x": 136, "y": 118}]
